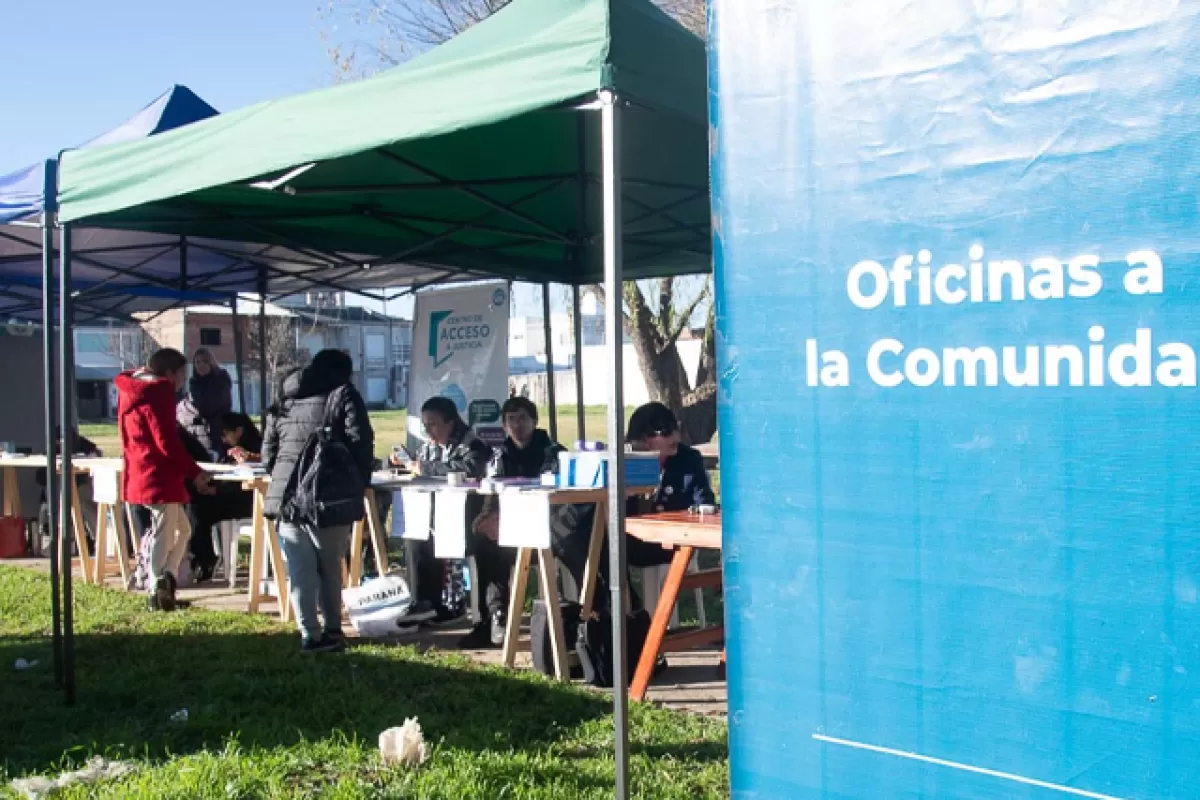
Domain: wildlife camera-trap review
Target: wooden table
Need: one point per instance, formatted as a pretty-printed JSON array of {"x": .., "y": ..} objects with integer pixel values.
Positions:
[
  {"x": 548, "y": 574},
  {"x": 684, "y": 533},
  {"x": 110, "y": 500},
  {"x": 9, "y": 465},
  {"x": 264, "y": 540}
]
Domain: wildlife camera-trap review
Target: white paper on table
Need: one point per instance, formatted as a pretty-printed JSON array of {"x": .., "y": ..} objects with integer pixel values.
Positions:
[
  {"x": 397, "y": 531},
  {"x": 450, "y": 525},
  {"x": 416, "y": 509},
  {"x": 104, "y": 485},
  {"x": 525, "y": 519}
]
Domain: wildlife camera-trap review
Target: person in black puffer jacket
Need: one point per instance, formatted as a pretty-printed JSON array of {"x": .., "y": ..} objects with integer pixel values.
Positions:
[
  {"x": 314, "y": 555},
  {"x": 526, "y": 453},
  {"x": 211, "y": 391}
]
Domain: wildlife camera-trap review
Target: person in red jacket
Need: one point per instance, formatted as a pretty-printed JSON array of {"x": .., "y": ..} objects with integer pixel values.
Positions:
[{"x": 157, "y": 466}]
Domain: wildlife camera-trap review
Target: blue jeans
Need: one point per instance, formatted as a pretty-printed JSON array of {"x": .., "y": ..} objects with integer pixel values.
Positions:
[{"x": 314, "y": 564}]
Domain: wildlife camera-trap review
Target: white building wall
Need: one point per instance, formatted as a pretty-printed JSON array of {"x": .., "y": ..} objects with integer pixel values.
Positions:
[{"x": 596, "y": 372}]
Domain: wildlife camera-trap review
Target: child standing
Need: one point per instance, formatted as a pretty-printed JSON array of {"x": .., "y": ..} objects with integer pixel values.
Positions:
[{"x": 157, "y": 466}]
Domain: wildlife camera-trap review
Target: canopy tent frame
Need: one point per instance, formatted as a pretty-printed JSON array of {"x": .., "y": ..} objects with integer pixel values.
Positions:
[
  {"x": 482, "y": 182},
  {"x": 610, "y": 239}
]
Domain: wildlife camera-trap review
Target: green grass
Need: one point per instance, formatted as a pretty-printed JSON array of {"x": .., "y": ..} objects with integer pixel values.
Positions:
[
  {"x": 267, "y": 722},
  {"x": 390, "y": 427}
]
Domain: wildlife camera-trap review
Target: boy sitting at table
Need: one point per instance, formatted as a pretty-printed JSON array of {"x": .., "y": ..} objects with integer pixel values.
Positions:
[
  {"x": 683, "y": 483},
  {"x": 526, "y": 453},
  {"x": 683, "y": 480}
]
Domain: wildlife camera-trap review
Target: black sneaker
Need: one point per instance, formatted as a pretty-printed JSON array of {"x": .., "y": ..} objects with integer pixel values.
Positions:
[
  {"x": 336, "y": 639},
  {"x": 323, "y": 645},
  {"x": 442, "y": 615},
  {"x": 163, "y": 596},
  {"x": 498, "y": 625},
  {"x": 660, "y": 666},
  {"x": 480, "y": 638},
  {"x": 418, "y": 612}
]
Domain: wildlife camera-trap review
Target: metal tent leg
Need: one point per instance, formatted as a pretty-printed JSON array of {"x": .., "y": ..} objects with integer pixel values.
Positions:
[
  {"x": 262, "y": 349},
  {"x": 239, "y": 361},
  {"x": 50, "y": 195},
  {"x": 614, "y": 328},
  {"x": 580, "y": 421},
  {"x": 548, "y": 332},
  {"x": 66, "y": 415}
]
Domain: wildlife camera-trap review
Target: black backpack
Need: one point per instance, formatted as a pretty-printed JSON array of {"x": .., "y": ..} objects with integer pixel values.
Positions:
[
  {"x": 326, "y": 488},
  {"x": 595, "y": 645},
  {"x": 539, "y": 636}
]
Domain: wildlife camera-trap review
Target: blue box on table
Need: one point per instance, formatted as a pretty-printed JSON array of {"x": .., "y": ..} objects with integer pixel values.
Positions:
[{"x": 590, "y": 469}]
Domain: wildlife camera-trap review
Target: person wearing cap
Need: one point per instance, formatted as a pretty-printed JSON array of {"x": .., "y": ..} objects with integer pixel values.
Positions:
[{"x": 683, "y": 480}]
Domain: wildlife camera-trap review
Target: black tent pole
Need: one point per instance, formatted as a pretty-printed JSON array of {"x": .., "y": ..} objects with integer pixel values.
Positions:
[
  {"x": 548, "y": 332},
  {"x": 239, "y": 362},
  {"x": 50, "y": 206},
  {"x": 581, "y": 424},
  {"x": 67, "y": 424},
  {"x": 262, "y": 346}
]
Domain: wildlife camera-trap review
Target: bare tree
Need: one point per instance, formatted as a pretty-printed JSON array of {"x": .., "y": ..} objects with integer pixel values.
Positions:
[
  {"x": 130, "y": 346},
  {"x": 656, "y": 313},
  {"x": 279, "y": 351}
]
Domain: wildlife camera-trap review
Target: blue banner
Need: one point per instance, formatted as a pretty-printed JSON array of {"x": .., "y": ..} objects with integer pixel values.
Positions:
[{"x": 958, "y": 284}]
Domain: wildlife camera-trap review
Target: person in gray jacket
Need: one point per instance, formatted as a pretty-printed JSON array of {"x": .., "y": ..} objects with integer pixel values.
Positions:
[
  {"x": 451, "y": 446},
  {"x": 314, "y": 555}
]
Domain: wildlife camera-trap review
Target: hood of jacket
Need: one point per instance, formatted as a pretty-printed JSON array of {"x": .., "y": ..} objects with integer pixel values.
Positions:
[
  {"x": 144, "y": 388},
  {"x": 310, "y": 382}
]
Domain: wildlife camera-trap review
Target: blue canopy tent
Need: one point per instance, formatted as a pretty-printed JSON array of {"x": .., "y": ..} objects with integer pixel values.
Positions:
[
  {"x": 21, "y": 192},
  {"x": 101, "y": 291}
]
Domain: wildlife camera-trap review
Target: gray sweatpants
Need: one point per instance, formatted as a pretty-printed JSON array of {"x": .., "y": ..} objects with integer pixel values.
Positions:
[
  {"x": 314, "y": 564},
  {"x": 172, "y": 531}
]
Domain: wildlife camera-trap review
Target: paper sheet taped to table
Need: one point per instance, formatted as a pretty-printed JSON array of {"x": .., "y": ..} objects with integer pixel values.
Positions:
[
  {"x": 450, "y": 525},
  {"x": 105, "y": 486},
  {"x": 525, "y": 519},
  {"x": 415, "y": 510}
]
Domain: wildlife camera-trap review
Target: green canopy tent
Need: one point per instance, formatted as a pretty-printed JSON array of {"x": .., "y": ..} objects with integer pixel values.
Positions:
[{"x": 557, "y": 141}]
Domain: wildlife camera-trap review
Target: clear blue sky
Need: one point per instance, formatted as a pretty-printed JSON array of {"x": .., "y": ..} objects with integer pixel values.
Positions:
[{"x": 79, "y": 67}]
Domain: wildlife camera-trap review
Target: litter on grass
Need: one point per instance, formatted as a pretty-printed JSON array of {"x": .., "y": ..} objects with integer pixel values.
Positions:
[
  {"x": 97, "y": 769},
  {"x": 404, "y": 745}
]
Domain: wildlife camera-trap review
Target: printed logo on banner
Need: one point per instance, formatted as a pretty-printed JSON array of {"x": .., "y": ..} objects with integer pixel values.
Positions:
[
  {"x": 455, "y": 393},
  {"x": 450, "y": 334}
]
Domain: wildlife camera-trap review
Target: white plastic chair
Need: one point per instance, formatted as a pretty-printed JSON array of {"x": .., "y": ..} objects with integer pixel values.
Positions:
[
  {"x": 653, "y": 579},
  {"x": 232, "y": 531}
]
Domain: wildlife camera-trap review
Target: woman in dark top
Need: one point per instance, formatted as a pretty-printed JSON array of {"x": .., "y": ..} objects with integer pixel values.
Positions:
[
  {"x": 451, "y": 446},
  {"x": 211, "y": 392},
  {"x": 242, "y": 440}
]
